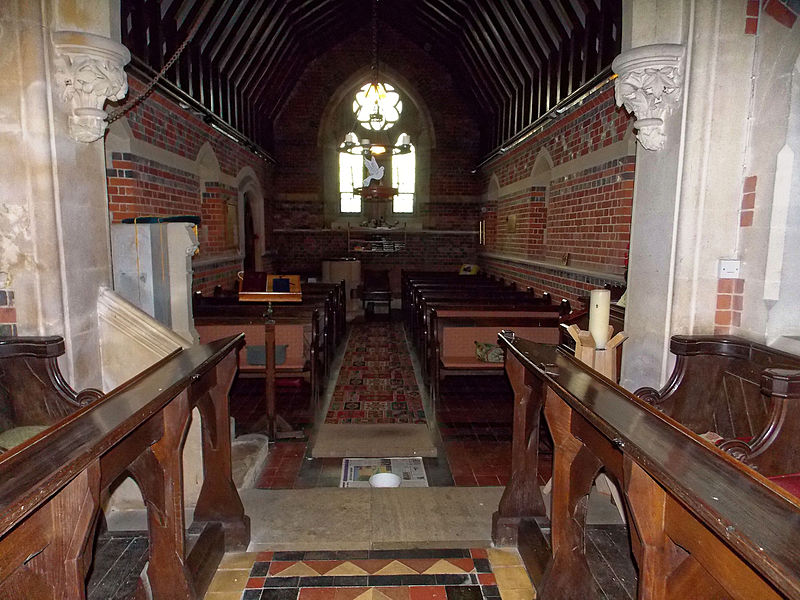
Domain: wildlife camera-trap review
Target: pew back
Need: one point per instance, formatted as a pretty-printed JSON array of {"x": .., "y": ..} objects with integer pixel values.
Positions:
[{"x": 729, "y": 386}]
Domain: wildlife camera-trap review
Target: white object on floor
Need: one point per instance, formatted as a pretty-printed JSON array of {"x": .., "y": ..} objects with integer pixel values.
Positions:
[
  {"x": 359, "y": 472},
  {"x": 384, "y": 480}
]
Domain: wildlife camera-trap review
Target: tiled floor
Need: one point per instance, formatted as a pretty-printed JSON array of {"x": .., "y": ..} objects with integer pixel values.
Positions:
[
  {"x": 442, "y": 574},
  {"x": 292, "y": 398},
  {"x": 474, "y": 417}
]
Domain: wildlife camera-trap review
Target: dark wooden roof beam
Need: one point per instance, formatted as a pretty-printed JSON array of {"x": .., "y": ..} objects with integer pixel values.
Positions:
[
  {"x": 247, "y": 37},
  {"x": 223, "y": 37},
  {"x": 244, "y": 67}
]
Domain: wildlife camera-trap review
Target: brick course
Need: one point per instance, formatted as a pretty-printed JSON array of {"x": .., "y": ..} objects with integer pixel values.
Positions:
[
  {"x": 140, "y": 186},
  {"x": 583, "y": 217}
]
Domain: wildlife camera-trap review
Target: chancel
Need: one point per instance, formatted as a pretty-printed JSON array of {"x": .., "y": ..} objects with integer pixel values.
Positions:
[{"x": 349, "y": 299}]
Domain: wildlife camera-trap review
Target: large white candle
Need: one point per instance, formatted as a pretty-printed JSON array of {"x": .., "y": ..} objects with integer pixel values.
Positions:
[{"x": 599, "y": 307}]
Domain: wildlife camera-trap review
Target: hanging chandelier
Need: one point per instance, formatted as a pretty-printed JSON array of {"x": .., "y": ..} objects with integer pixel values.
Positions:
[{"x": 377, "y": 107}]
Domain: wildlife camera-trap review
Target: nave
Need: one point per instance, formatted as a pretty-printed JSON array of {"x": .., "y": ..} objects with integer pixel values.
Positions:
[{"x": 472, "y": 426}]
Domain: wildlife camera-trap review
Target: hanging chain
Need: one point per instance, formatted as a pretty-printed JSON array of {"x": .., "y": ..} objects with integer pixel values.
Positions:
[
  {"x": 375, "y": 40},
  {"x": 120, "y": 112}
]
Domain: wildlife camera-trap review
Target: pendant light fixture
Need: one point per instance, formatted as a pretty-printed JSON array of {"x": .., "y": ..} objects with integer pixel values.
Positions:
[{"x": 377, "y": 107}]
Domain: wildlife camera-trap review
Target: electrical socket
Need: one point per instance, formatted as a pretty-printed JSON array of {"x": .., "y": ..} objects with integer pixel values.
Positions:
[{"x": 729, "y": 268}]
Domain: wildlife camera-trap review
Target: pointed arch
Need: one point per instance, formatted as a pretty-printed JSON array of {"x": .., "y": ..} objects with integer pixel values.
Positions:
[
  {"x": 337, "y": 120},
  {"x": 208, "y": 163},
  {"x": 252, "y": 222},
  {"x": 542, "y": 166}
]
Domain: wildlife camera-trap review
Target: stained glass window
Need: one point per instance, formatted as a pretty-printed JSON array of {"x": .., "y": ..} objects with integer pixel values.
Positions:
[{"x": 377, "y": 106}]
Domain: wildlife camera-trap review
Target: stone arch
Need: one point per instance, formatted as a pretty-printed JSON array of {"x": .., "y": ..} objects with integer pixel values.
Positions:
[
  {"x": 493, "y": 189},
  {"x": 540, "y": 177},
  {"x": 208, "y": 167},
  {"x": 118, "y": 138},
  {"x": 251, "y": 205},
  {"x": 332, "y": 131},
  {"x": 540, "y": 172}
]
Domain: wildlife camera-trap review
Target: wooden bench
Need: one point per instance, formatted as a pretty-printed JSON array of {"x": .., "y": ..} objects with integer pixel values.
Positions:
[
  {"x": 453, "y": 346},
  {"x": 274, "y": 348},
  {"x": 33, "y": 393},
  {"x": 52, "y": 486},
  {"x": 702, "y": 524},
  {"x": 532, "y": 307},
  {"x": 747, "y": 393}
]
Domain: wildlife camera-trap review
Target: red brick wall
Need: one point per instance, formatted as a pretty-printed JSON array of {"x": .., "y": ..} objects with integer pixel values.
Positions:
[
  {"x": 589, "y": 216},
  {"x": 303, "y": 251},
  {"x": 454, "y": 199},
  {"x": 585, "y": 213},
  {"x": 142, "y": 186}
]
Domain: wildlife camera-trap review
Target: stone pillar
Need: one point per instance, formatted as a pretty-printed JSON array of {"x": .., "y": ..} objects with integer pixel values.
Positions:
[
  {"x": 60, "y": 66},
  {"x": 707, "y": 126}
]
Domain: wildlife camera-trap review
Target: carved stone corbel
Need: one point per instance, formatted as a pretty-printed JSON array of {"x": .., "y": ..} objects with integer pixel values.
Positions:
[
  {"x": 89, "y": 71},
  {"x": 649, "y": 85}
]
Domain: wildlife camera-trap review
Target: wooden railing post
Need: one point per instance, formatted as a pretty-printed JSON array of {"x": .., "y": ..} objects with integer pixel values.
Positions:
[
  {"x": 574, "y": 470},
  {"x": 522, "y": 498},
  {"x": 159, "y": 473},
  {"x": 219, "y": 499}
]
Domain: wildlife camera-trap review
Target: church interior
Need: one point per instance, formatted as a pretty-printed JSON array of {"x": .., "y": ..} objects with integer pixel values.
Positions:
[{"x": 399, "y": 299}]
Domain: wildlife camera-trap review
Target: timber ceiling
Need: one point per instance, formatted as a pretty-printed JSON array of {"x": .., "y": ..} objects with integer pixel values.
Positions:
[{"x": 516, "y": 59}]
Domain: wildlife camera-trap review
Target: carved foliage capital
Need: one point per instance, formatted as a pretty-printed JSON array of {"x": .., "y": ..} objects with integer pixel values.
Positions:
[
  {"x": 649, "y": 85},
  {"x": 89, "y": 71}
]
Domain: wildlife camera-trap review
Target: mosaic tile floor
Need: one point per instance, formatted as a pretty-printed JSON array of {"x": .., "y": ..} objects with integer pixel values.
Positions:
[{"x": 443, "y": 574}]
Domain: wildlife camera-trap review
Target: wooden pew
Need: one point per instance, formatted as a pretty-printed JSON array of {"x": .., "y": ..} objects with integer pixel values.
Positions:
[
  {"x": 425, "y": 295},
  {"x": 454, "y": 337},
  {"x": 702, "y": 524},
  {"x": 33, "y": 393},
  {"x": 265, "y": 340},
  {"x": 747, "y": 393},
  {"x": 52, "y": 486},
  {"x": 534, "y": 307}
]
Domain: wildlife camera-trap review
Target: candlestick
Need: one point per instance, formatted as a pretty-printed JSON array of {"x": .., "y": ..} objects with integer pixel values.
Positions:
[{"x": 599, "y": 308}]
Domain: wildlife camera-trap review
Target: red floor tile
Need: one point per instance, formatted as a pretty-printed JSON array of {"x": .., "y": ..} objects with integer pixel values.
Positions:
[{"x": 428, "y": 592}]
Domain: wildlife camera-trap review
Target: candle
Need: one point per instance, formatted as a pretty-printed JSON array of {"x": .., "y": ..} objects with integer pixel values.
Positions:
[{"x": 599, "y": 307}]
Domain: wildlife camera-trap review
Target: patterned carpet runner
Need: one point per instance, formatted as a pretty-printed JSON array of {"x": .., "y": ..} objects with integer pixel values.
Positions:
[{"x": 376, "y": 383}]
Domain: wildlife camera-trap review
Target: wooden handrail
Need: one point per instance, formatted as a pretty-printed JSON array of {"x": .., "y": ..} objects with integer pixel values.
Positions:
[
  {"x": 51, "y": 486},
  {"x": 684, "y": 498}
]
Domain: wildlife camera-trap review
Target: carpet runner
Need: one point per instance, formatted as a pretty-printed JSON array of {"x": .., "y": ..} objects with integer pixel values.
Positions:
[{"x": 376, "y": 384}]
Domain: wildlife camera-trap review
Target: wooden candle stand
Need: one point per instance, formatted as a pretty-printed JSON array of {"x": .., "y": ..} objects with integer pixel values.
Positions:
[{"x": 604, "y": 361}]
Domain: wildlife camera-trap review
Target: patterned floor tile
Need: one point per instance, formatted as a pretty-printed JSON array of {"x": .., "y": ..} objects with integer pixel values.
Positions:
[{"x": 413, "y": 574}]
